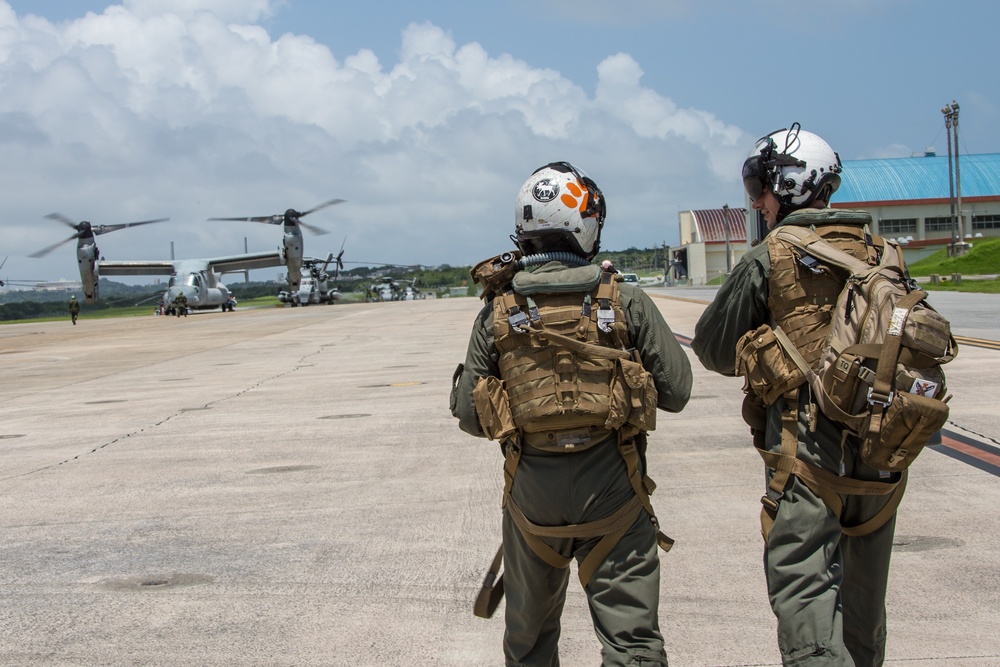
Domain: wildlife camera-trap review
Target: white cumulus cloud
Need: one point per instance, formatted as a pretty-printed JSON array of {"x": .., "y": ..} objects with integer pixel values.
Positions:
[{"x": 190, "y": 109}]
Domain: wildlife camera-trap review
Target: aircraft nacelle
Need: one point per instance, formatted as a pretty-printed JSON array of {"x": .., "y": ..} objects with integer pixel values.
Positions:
[
  {"x": 292, "y": 253},
  {"x": 86, "y": 257}
]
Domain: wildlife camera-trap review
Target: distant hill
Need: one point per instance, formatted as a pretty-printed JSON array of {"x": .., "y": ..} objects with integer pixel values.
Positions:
[{"x": 983, "y": 258}]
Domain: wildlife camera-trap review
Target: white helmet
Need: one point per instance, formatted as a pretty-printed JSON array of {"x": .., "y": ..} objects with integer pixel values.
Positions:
[
  {"x": 797, "y": 166},
  {"x": 559, "y": 208}
]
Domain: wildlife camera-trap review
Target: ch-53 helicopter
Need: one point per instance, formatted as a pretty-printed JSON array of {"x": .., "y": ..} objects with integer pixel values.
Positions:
[
  {"x": 390, "y": 290},
  {"x": 198, "y": 279},
  {"x": 315, "y": 286}
]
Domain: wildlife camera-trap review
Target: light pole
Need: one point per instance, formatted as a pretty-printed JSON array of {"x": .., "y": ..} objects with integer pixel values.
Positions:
[
  {"x": 958, "y": 172},
  {"x": 950, "y": 112},
  {"x": 946, "y": 110}
]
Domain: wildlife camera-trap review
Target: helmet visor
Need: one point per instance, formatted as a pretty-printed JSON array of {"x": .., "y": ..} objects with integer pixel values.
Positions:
[{"x": 755, "y": 177}]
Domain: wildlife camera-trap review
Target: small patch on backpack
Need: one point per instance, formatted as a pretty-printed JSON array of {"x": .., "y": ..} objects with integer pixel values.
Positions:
[{"x": 924, "y": 388}]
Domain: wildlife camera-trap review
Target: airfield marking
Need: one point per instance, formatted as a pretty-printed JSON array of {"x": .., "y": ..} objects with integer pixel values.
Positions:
[{"x": 977, "y": 454}]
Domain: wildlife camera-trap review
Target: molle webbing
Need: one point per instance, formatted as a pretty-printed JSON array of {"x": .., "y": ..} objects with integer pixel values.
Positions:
[
  {"x": 556, "y": 362},
  {"x": 802, "y": 300}
]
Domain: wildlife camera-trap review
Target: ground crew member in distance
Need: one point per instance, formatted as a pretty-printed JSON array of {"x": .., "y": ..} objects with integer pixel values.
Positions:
[
  {"x": 566, "y": 367},
  {"x": 181, "y": 303},
  {"x": 74, "y": 308},
  {"x": 826, "y": 589}
]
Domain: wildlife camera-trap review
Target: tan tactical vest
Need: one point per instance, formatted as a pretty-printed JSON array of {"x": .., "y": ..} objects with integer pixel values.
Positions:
[
  {"x": 552, "y": 388},
  {"x": 801, "y": 299}
]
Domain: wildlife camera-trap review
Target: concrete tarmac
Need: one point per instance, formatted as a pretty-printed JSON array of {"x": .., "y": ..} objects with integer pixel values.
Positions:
[{"x": 288, "y": 487}]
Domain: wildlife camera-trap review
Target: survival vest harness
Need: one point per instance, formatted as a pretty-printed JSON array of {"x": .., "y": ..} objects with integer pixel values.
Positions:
[
  {"x": 569, "y": 381},
  {"x": 802, "y": 299}
]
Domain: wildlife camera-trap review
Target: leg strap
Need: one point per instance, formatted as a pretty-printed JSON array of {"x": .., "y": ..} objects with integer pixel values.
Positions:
[
  {"x": 830, "y": 488},
  {"x": 610, "y": 529},
  {"x": 643, "y": 486}
]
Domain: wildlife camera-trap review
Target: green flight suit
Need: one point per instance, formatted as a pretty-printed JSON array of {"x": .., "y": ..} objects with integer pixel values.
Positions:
[
  {"x": 181, "y": 302},
  {"x": 826, "y": 590},
  {"x": 558, "y": 489}
]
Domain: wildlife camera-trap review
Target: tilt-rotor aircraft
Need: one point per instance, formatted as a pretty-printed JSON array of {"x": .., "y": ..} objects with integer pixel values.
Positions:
[
  {"x": 197, "y": 278},
  {"x": 87, "y": 252}
]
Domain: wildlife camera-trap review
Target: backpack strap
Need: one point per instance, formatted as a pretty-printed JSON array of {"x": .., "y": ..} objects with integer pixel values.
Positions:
[{"x": 816, "y": 246}]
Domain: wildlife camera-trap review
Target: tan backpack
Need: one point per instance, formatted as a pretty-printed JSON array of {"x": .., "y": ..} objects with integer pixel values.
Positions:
[{"x": 879, "y": 373}]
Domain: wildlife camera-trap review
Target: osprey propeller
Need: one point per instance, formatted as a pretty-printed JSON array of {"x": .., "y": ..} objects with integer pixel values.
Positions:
[
  {"x": 86, "y": 230},
  {"x": 290, "y": 217}
]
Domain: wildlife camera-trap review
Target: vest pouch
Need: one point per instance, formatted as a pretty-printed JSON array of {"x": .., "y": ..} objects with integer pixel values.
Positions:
[
  {"x": 907, "y": 425},
  {"x": 928, "y": 332},
  {"x": 844, "y": 383},
  {"x": 633, "y": 397},
  {"x": 765, "y": 366},
  {"x": 493, "y": 408}
]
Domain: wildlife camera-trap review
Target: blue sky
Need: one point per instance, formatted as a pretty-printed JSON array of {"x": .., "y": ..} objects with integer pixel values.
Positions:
[{"x": 428, "y": 116}]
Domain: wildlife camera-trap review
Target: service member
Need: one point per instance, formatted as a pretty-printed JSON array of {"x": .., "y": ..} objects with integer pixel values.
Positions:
[
  {"x": 827, "y": 587},
  {"x": 74, "y": 308},
  {"x": 566, "y": 367}
]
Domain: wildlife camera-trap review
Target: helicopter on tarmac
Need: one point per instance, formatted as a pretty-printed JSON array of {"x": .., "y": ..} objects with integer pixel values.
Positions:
[
  {"x": 315, "y": 286},
  {"x": 390, "y": 290}
]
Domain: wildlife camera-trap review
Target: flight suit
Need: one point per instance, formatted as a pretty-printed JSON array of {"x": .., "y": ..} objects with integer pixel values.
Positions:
[
  {"x": 182, "y": 305},
  {"x": 826, "y": 590},
  {"x": 558, "y": 489},
  {"x": 74, "y": 309}
]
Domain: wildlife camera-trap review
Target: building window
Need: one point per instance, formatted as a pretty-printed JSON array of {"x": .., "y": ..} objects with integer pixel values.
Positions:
[
  {"x": 938, "y": 224},
  {"x": 986, "y": 222},
  {"x": 900, "y": 226}
]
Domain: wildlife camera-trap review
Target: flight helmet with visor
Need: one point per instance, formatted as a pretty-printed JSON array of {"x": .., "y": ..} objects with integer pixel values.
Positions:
[{"x": 797, "y": 166}]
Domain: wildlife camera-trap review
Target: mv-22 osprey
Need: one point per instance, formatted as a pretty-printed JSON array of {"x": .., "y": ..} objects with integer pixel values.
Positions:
[{"x": 197, "y": 278}]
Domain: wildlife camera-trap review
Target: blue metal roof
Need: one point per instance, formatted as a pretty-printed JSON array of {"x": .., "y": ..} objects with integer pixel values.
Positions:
[{"x": 925, "y": 177}]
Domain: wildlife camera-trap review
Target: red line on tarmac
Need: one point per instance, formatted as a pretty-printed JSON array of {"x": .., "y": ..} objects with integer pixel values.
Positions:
[{"x": 969, "y": 450}]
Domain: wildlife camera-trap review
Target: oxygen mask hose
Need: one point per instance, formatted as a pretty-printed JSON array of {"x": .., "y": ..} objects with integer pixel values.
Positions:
[{"x": 543, "y": 257}]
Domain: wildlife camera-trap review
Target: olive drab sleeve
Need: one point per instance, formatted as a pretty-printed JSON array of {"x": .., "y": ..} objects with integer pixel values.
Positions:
[
  {"x": 740, "y": 306},
  {"x": 662, "y": 356},
  {"x": 480, "y": 361}
]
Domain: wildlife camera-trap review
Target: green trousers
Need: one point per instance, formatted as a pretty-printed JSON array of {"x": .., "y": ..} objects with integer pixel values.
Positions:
[
  {"x": 826, "y": 589},
  {"x": 623, "y": 594}
]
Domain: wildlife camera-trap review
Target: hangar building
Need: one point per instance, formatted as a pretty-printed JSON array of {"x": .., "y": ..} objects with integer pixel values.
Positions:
[{"x": 908, "y": 198}]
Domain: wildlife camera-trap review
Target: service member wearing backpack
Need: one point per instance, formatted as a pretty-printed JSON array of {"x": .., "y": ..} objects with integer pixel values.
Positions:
[
  {"x": 566, "y": 367},
  {"x": 828, "y": 516}
]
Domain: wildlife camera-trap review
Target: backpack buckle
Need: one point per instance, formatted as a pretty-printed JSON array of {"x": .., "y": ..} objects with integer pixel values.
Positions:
[
  {"x": 885, "y": 400},
  {"x": 769, "y": 503}
]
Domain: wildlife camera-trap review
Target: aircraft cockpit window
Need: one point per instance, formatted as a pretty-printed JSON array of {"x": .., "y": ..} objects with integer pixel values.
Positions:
[
  {"x": 194, "y": 280},
  {"x": 173, "y": 281}
]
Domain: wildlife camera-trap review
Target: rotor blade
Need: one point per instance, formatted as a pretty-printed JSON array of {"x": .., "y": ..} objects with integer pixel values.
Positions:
[
  {"x": 4, "y": 261},
  {"x": 104, "y": 229},
  {"x": 323, "y": 205},
  {"x": 319, "y": 231},
  {"x": 59, "y": 217},
  {"x": 45, "y": 251},
  {"x": 268, "y": 219}
]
